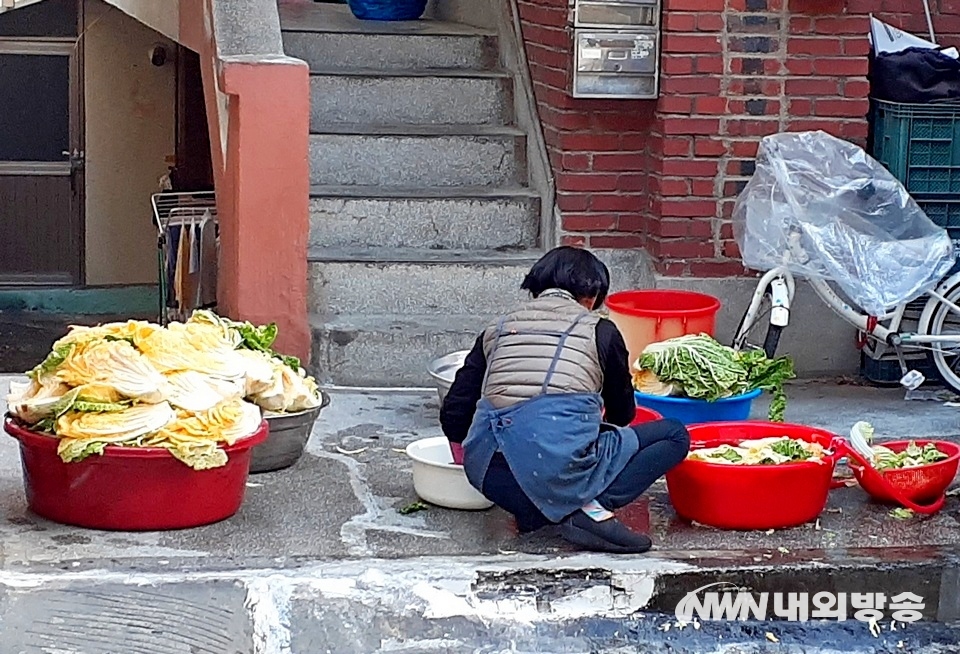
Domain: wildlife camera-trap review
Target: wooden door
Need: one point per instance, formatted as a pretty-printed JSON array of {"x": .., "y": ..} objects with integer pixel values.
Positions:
[{"x": 41, "y": 145}]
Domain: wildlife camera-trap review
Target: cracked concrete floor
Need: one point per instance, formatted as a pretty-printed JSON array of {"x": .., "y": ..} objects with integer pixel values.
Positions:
[
  {"x": 335, "y": 505},
  {"x": 319, "y": 560}
]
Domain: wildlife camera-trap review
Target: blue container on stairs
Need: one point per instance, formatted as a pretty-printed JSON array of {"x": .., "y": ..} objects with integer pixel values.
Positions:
[{"x": 388, "y": 9}]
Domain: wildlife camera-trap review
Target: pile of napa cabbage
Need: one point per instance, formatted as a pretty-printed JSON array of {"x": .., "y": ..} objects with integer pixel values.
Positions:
[
  {"x": 697, "y": 366},
  {"x": 187, "y": 387}
]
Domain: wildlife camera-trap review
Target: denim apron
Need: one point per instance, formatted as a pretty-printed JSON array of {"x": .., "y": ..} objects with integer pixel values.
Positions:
[{"x": 555, "y": 444}]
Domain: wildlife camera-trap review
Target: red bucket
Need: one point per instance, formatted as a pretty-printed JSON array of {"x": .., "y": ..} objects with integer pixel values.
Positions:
[
  {"x": 649, "y": 316},
  {"x": 130, "y": 489},
  {"x": 751, "y": 496}
]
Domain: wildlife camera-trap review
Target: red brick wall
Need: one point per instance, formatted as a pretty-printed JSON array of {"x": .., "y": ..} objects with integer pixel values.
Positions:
[
  {"x": 600, "y": 150},
  {"x": 663, "y": 174}
]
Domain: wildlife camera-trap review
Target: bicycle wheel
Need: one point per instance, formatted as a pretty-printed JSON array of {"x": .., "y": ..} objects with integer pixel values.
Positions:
[
  {"x": 942, "y": 321},
  {"x": 747, "y": 337}
]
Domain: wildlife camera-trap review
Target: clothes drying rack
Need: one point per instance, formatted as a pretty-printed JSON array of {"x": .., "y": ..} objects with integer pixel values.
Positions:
[{"x": 186, "y": 214}]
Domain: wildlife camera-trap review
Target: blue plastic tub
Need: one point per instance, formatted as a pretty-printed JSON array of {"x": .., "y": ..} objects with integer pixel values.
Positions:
[
  {"x": 691, "y": 412},
  {"x": 387, "y": 9}
]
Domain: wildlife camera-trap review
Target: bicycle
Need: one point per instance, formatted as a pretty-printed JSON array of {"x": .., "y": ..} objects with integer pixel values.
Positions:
[{"x": 772, "y": 299}]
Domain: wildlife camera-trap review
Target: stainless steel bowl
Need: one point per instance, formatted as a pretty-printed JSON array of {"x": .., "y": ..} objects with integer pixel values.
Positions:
[
  {"x": 289, "y": 433},
  {"x": 444, "y": 369}
]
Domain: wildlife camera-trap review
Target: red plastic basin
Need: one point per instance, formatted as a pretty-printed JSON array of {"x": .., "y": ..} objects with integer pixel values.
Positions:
[
  {"x": 754, "y": 496},
  {"x": 130, "y": 489},
  {"x": 643, "y": 415}
]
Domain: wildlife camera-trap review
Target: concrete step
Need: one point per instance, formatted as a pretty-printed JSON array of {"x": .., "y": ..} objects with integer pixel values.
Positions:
[
  {"x": 457, "y": 605},
  {"x": 370, "y": 281},
  {"x": 471, "y": 155},
  {"x": 443, "y": 219},
  {"x": 329, "y": 37},
  {"x": 375, "y": 97},
  {"x": 388, "y": 350}
]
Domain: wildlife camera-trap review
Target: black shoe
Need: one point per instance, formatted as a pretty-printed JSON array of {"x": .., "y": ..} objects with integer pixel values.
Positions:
[{"x": 605, "y": 536}]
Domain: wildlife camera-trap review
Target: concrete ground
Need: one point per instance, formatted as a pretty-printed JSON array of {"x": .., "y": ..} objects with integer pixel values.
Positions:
[{"x": 319, "y": 560}]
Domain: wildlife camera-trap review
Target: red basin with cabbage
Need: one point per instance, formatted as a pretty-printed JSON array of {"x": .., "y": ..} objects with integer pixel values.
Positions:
[
  {"x": 750, "y": 497},
  {"x": 130, "y": 489}
]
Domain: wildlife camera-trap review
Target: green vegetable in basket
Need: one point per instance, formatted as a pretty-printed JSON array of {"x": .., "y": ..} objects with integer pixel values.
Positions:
[
  {"x": 699, "y": 367},
  {"x": 729, "y": 454},
  {"x": 772, "y": 450},
  {"x": 911, "y": 457},
  {"x": 791, "y": 449}
]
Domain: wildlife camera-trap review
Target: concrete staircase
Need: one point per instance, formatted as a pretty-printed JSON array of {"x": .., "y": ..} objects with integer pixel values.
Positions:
[{"x": 422, "y": 220}]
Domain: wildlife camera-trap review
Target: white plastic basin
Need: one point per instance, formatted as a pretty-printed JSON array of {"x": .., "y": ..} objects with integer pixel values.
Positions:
[{"x": 438, "y": 480}]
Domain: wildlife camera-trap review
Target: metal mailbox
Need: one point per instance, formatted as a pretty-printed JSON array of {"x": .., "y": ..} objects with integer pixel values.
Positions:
[{"x": 617, "y": 46}]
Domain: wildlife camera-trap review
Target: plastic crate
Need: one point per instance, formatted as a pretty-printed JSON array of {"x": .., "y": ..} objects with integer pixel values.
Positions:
[
  {"x": 885, "y": 371},
  {"x": 919, "y": 144},
  {"x": 945, "y": 213}
]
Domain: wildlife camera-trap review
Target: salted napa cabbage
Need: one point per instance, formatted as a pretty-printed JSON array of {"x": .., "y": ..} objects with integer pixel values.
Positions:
[
  {"x": 910, "y": 457},
  {"x": 206, "y": 335},
  {"x": 647, "y": 382},
  {"x": 773, "y": 450},
  {"x": 132, "y": 330},
  {"x": 52, "y": 361},
  {"x": 271, "y": 398},
  {"x": 115, "y": 364},
  {"x": 289, "y": 391},
  {"x": 173, "y": 351},
  {"x": 193, "y": 437},
  {"x": 100, "y": 394},
  {"x": 251, "y": 337},
  {"x": 200, "y": 456},
  {"x": 305, "y": 394},
  {"x": 37, "y": 399},
  {"x": 92, "y": 398},
  {"x": 195, "y": 392},
  {"x": 228, "y": 421},
  {"x": 84, "y": 433},
  {"x": 258, "y": 371}
]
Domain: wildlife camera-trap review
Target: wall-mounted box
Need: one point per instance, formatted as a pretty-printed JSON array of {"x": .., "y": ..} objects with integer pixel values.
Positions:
[
  {"x": 617, "y": 14},
  {"x": 617, "y": 64}
]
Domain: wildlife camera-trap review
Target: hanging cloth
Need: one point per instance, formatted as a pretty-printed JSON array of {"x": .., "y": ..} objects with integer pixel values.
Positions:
[
  {"x": 170, "y": 251},
  {"x": 208, "y": 262},
  {"x": 182, "y": 270}
]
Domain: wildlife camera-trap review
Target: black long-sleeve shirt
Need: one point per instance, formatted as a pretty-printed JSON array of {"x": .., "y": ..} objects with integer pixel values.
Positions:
[{"x": 458, "y": 408}]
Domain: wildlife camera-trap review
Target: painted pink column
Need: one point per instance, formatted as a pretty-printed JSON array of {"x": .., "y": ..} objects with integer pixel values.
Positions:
[
  {"x": 266, "y": 189},
  {"x": 262, "y": 179}
]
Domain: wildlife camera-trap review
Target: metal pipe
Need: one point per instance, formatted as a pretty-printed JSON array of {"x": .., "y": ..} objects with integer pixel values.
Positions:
[{"x": 926, "y": 9}]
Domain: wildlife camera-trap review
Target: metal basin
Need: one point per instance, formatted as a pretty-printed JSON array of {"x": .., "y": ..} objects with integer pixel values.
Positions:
[
  {"x": 444, "y": 369},
  {"x": 289, "y": 433}
]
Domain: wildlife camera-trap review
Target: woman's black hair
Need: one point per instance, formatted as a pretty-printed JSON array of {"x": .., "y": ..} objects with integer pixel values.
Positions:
[{"x": 574, "y": 270}]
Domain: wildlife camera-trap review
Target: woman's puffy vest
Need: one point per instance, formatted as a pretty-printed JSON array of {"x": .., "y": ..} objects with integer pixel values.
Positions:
[{"x": 519, "y": 365}]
